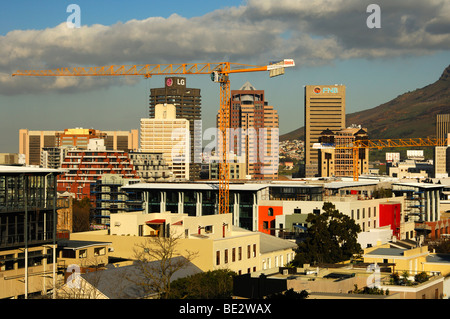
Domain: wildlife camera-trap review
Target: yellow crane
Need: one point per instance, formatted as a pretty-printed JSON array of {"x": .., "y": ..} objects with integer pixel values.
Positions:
[
  {"x": 386, "y": 143},
  {"x": 219, "y": 73}
]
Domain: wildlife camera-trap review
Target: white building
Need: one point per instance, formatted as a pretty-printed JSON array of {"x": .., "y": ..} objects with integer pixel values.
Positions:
[{"x": 170, "y": 136}]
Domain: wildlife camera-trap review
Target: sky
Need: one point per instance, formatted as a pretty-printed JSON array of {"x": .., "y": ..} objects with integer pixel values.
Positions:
[{"x": 330, "y": 41}]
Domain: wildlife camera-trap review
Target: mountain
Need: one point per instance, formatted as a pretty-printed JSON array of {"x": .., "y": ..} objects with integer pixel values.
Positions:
[{"x": 412, "y": 114}]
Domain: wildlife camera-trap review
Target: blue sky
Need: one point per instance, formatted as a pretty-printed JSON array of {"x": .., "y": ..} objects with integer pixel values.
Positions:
[{"x": 329, "y": 41}]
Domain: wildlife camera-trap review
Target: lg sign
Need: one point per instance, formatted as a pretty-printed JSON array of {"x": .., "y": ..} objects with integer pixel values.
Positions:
[
  {"x": 177, "y": 81},
  {"x": 318, "y": 90}
]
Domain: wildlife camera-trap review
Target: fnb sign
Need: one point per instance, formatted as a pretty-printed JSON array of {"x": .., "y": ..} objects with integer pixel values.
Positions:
[
  {"x": 330, "y": 90},
  {"x": 318, "y": 90}
]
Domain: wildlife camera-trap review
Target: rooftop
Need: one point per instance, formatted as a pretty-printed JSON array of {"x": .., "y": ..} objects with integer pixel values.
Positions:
[
  {"x": 80, "y": 244},
  {"x": 12, "y": 169}
]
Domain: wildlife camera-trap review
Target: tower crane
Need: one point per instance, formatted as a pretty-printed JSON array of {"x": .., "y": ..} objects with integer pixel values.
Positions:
[
  {"x": 219, "y": 73},
  {"x": 384, "y": 143}
]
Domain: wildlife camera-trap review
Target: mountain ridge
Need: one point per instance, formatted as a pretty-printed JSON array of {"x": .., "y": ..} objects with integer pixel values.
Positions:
[{"x": 409, "y": 115}]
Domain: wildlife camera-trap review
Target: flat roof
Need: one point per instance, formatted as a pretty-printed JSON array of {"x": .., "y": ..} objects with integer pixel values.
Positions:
[
  {"x": 438, "y": 258},
  {"x": 337, "y": 185},
  {"x": 80, "y": 244},
  {"x": 420, "y": 185},
  {"x": 214, "y": 186},
  {"x": 12, "y": 169},
  {"x": 194, "y": 186},
  {"x": 387, "y": 252}
]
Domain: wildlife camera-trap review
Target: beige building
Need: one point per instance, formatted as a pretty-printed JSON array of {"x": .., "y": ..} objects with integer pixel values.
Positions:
[
  {"x": 324, "y": 109},
  {"x": 237, "y": 167},
  {"x": 170, "y": 136},
  {"x": 31, "y": 142},
  {"x": 335, "y": 162},
  {"x": 442, "y": 126},
  {"x": 412, "y": 261},
  {"x": 254, "y": 132},
  {"x": 219, "y": 244}
]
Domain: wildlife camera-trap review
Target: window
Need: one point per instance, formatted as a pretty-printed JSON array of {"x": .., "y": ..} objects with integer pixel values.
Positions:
[
  {"x": 240, "y": 253},
  {"x": 217, "y": 257},
  {"x": 265, "y": 225},
  {"x": 248, "y": 251},
  {"x": 233, "y": 255},
  {"x": 270, "y": 211},
  {"x": 297, "y": 211},
  {"x": 209, "y": 229},
  {"x": 254, "y": 250},
  {"x": 99, "y": 251},
  {"x": 226, "y": 257},
  {"x": 66, "y": 253},
  {"x": 83, "y": 253}
]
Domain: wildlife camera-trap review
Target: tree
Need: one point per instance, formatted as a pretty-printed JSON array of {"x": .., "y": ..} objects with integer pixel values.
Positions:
[
  {"x": 216, "y": 284},
  {"x": 81, "y": 215},
  {"x": 332, "y": 237},
  {"x": 157, "y": 260},
  {"x": 289, "y": 294}
]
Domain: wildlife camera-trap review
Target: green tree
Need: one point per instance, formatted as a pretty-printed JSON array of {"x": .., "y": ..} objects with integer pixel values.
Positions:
[
  {"x": 332, "y": 237},
  {"x": 216, "y": 284}
]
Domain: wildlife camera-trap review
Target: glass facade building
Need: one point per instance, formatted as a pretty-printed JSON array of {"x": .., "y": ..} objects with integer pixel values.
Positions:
[{"x": 201, "y": 199}]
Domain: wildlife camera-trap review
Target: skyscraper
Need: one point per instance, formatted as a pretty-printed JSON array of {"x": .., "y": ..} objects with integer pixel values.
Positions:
[
  {"x": 169, "y": 136},
  {"x": 442, "y": 126},
  {"x": 187, "y": 102},
  {"x": 324, "y": 109},
  {"x": 254, "y": 132}
]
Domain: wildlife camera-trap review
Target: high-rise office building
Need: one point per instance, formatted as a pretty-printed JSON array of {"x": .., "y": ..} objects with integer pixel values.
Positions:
[
  {"x": 324, "y": 109},
  {"x": 442, "y": 126},
  {"x": 169, "y": 136},
  {"x": 187, "y": 102},
  {"x": 254, "y": 132},
  {"x": 31, "y": 143},
  {"x": 441, "y": 153}
]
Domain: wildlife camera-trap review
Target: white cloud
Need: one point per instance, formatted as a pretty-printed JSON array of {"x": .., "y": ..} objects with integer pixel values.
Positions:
[{"x": 311, "y": 32}]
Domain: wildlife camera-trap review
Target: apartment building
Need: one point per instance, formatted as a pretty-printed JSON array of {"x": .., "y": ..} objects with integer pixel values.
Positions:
[
  {"x": 337, "y": 162},
  {"x": 32, "y": 142},
  {"x": 219, "y": 244},
  {"x": 85, "y": 167},
  {"x": 151, "y": 167}
]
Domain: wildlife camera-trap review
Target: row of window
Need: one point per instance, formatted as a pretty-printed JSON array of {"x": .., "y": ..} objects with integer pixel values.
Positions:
[
  {"x": 17, "y": 261},
  {"x": 364, "y": 213},
  {"x": 235, "y": 254},
  {"x": 83, "y": 253}
]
